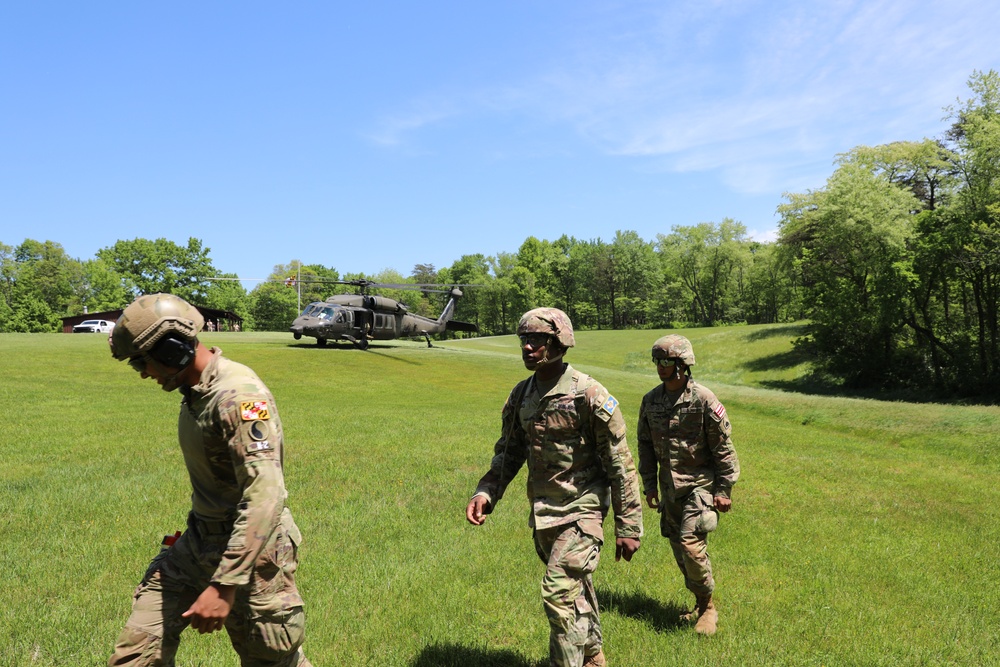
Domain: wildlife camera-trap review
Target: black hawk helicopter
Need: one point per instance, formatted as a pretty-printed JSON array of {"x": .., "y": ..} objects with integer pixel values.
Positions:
[{"x": 360, "y": 318}]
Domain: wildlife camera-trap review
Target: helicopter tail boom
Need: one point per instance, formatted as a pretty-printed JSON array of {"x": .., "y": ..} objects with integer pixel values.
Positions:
[{"x": 449, "y": 309}]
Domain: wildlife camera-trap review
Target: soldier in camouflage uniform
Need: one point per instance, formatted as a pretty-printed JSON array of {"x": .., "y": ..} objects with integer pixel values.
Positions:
[
  {"x": 685, "y": 432},
  {"x": 570, "y": 431},
  {"x": 234, "y": 566}
]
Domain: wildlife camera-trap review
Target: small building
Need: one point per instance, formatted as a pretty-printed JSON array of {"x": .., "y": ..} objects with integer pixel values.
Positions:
[{"x": 215, "y": 319}]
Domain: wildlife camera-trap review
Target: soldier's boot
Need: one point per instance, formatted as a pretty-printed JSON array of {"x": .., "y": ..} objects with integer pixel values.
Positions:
[
  {"x": 708, "y": 617},
  {"x": 595, "y": 660}
]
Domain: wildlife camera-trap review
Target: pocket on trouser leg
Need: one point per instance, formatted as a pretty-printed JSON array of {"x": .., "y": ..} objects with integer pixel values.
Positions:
[
  {"x": 583, "y": 555},
  {"x": 152, "y": 633},
  {"x": 272, "y": 585},
  {"x": 135, "y": 647},
  {"x": 273, "y": 639},
  {"x": 708, "y": 519}
]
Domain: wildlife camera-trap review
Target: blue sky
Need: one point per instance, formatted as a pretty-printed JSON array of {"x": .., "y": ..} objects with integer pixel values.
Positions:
[{"x": 366, "y": 136}]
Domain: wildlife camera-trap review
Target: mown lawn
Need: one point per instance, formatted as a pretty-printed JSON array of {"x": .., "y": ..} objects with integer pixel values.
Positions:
[{"x": 863, "y": 532}]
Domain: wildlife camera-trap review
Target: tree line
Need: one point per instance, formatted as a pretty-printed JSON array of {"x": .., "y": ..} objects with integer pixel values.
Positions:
[{"x": 894, "y": 264}]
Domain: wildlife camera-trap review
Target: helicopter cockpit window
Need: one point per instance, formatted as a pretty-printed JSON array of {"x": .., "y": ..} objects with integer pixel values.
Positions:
[
  {"x": 326, "y": 313},
  {"x": 340, "y": 318}
]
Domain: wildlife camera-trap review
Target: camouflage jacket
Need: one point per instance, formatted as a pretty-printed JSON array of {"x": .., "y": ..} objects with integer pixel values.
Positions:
[
  {"x": 232, "y": 441},
  {"x": 579, "y": 464},
  {"x": 690, "y": 441}
]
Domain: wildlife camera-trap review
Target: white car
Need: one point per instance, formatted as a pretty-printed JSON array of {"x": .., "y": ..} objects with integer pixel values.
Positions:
[{"x": 94, "y": 326}]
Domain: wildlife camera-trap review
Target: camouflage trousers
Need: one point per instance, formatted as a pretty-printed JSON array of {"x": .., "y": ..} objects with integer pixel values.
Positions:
[
  {"x": 686, "y": 522},
  {"x": 571, "y": 553},
  {"x": 266, "y": 624}
]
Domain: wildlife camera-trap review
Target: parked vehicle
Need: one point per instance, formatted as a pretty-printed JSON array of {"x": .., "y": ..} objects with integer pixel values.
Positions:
[{"x": 94, "y": 326}]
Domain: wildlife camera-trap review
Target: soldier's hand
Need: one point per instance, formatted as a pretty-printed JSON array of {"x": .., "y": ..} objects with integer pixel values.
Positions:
[
  {"x": 626, "y": 546},
  {"x": 723, "y": 504},
  {"x": 653, "y": 500},
  {"x": 209, "y": 611},
  {"x": 475, "y": 511}
]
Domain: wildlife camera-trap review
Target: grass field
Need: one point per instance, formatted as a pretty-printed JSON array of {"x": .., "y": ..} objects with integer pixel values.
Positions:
[{"x": 863, "y": 532}]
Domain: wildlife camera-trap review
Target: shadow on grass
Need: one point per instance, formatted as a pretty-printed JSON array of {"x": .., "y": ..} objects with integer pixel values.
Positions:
[
  {"x": 456, "y": 655},
  {"x": 786, "y": 331},
  {"x": 778, "y": 362},
  {"x": 661, "y": 617},
  {"x": 349, "y": 347}
]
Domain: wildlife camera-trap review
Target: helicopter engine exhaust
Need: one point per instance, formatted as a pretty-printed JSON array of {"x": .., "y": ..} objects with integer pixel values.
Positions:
[{"x": 382, "y": 303}]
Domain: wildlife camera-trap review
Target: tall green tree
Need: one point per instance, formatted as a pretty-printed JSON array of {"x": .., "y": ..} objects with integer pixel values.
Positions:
[
  {"x": 973, "y": 223},
  {"x": 851, "y": 239},
  {"x": 470, "y": 270},
  {"x": 705, "y": 259},
  {"x": 539, "y": 258},
  {"x": 766, "y": 288},
  {"x": 567, "y": 284},
  {"x": 926, "y": 168},
  {"x": 507, "y": 296},
  {"x": 163, "y": 266},
  {"x": 102, "y": 287},
  {"x": 37, "y": 286},
  {"x": 226, "y": 292}
]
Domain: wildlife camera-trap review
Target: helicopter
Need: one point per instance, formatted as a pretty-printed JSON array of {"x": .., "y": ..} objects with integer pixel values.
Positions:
[{"x": 360, "y": 318}]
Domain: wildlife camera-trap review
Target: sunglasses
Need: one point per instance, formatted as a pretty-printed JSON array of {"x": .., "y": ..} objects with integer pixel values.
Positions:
[
  {"x": 138, "y": 364},
  {"x": 665, "y": 363},
  {"x": 535, "y": 340}
]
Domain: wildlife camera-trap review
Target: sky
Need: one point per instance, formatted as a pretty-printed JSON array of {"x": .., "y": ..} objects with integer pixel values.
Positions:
[{"x": 381, "y": 135}]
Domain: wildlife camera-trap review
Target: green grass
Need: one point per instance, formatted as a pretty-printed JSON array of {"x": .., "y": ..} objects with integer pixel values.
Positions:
[{"x": 863, "y": 532}]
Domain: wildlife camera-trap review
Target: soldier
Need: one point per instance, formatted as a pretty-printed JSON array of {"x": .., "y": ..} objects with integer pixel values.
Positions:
[
  {"x": 234, "y": 566},
  {"x": 684, "y": 430},
  {"x": 570, "y": 431}
]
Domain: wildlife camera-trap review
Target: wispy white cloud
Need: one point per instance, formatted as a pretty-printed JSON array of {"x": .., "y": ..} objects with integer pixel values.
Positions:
[
  {"x": 752, "y": 89},
  {"x": 431, "y": 110}
]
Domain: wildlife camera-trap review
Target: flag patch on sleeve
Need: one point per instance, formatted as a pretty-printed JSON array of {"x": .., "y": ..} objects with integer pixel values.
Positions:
[
  {"x": 720, "y": 411},
  {"x": 253, "y": 410}
]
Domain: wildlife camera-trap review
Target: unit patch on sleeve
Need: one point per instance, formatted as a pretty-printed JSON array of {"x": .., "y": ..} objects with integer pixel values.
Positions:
[
  {"x": 253, "y": 410},
  {"x": 258, "y": 431},
  {"x": 610, "y": 406}
]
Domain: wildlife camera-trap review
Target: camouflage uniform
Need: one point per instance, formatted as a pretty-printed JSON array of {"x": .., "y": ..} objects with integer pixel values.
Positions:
[
  {"x": 239, "y": 531},
  {"x": 689, "y": 440},
  {"x": 579, "y": 465}
]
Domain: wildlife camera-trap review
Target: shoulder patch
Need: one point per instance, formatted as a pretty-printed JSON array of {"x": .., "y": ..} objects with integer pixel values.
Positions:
[
  {"x": 254, "y": 410},
  {"x": 258, "y": 430},
  {"x": 719, "y": 411},
  {"x": 609, "y": 406}
]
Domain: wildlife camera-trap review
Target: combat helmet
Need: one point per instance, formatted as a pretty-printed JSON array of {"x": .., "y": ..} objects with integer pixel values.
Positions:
[
  {"x": 674, "y": 347},
  {"x": 548, "y": 320},
  {"x": 148, "y": 319}
]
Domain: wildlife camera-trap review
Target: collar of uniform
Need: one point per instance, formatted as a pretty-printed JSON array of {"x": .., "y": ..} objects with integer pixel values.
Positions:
[
  {"x": 211, "y": 371},
  {"x": 563, "y": 386},
  {"x": 686, "y": 394}
]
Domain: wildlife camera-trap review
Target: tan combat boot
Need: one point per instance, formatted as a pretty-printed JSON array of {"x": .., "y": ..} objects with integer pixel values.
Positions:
[
  {"x": 708, "y": 617},
  {"x": 595, "y": 660}
]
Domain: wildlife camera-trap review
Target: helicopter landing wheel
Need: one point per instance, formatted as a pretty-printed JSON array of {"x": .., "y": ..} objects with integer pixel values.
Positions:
[{"x": 321, "y": 342}]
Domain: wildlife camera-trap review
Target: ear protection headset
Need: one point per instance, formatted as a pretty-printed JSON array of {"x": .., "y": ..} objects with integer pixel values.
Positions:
[{"x": 173, "y": 352}]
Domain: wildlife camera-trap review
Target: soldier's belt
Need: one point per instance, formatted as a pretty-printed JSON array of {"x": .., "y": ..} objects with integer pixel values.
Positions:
[{"x": 208, "y": 527}]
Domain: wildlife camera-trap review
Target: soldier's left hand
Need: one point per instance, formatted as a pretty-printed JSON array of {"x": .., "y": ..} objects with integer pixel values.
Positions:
[
  {"x": 723, "y": 504},
  {"x": 209, "y": 611},
  {"x": 626, "y": 546}
]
